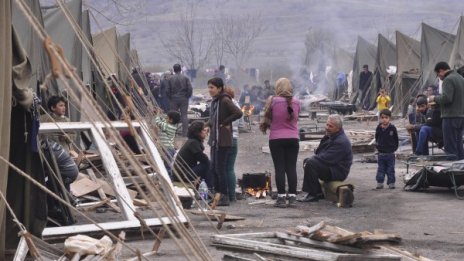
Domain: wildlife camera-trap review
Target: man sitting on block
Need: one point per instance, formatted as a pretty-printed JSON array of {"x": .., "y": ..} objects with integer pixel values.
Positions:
[{"x": 331, "y": 162}]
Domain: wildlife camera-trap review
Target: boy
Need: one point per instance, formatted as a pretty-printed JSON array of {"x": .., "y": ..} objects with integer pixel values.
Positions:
[
  {"x": 168, "y": 129},
  {"x": 386, "y": 137},
  {"x": 57, "y": 110}
]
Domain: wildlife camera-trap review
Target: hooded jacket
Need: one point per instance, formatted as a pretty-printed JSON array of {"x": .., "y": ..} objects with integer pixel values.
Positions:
[{"x": 223, "y": 113}]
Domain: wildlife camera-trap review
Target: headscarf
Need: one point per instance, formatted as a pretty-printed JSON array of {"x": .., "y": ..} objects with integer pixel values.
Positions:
[{"x": 284, "y": 89}]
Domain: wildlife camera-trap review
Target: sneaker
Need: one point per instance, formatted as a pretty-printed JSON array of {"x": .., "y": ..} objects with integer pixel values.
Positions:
[
  {"x": 391, "y": 186},
  {"x": 379, "y": 186},
  {"x": 280, "y": 202},
  {"x": 291, "y": 201}
]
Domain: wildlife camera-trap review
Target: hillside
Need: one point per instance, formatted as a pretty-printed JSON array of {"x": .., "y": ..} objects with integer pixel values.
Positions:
[{"x": 287, "y": 22}]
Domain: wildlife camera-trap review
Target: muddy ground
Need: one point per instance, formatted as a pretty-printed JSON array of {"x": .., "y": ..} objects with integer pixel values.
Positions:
[{"x": 430, "y": 223}]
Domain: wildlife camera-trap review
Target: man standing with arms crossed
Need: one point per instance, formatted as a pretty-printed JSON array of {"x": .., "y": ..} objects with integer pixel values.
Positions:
[
  {"x": 452, "y": 108},
  {"x": 179, "y": 92}
]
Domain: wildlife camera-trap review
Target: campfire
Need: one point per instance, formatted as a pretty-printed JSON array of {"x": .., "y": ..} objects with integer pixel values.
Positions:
[
  {"x": 256, "y": 185},
  {"x": 248, "y": 109}
]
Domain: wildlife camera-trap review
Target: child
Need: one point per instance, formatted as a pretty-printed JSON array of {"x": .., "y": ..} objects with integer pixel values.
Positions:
[
  {"x": 57, "y": 110},
  {"x": 386, "y": 137},
  {"x": 168, "y": 129},
  {"x": 383, "y": 100}
]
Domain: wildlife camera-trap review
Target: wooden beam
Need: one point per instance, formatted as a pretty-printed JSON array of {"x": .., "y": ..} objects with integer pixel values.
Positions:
[
  {"x": 296, "y": 252},
  {"x": 126, "y": 224},
  {"x": 320, "y": 245},
  {"x": 308, "y": 231}
]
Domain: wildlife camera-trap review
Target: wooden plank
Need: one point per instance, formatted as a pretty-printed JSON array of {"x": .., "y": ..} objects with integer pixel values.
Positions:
[
  {"x": 308, "y": 231},
  {"x": 319, "y": 244},
  {"x": 108, "y": 189},
  {"x": 83, "y": 186},
  {"x": 122, "y": 195},
  {"x": 296, "y": 252},
  {"x": 216, "y": 214},
  {"x": 87, "y": 228}
]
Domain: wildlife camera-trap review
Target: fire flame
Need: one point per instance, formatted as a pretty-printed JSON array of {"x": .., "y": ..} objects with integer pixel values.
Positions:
[{"x": 248, "y": 109}]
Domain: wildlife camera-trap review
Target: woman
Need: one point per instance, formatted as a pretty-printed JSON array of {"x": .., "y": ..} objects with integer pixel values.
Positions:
[
  {"x": 191, "y": 155},
  {"x": 232, "y": 180},
  {"x": 223, "y": 113},
  {"x": 281, "y": 117}
]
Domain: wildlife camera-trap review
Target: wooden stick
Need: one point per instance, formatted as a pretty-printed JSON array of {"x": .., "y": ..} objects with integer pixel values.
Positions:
[
  {"x": 216, "y": 199},
  {"x": 158, "y": 240},
  {"x": 308, "y": 231}
]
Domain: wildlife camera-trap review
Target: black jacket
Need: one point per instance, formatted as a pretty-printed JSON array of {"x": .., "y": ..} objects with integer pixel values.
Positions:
[
  {"x": 179, "y": 87},
  {"x": 335, "y": 152},
  {"x": 365, "y": 79},
  {"x": 386, "y": 139}
]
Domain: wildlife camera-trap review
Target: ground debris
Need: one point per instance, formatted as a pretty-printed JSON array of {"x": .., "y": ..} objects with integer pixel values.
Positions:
[{"x": 318, "y": 242}]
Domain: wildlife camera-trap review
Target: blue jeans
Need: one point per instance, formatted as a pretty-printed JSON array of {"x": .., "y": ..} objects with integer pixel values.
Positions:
[
  {"x": 452, "y": 136},
  {"x": 423, "y": 142},
  {"x": 386, "y": 166}
]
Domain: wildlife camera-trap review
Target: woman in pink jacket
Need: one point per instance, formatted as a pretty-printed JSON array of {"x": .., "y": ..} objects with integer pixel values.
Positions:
[{"x": 281, "y": 117}]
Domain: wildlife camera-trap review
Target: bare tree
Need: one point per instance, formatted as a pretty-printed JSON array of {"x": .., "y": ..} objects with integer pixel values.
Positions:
[
  {"x": 320, "y": 46},
  {"x": 189, "y": 45},
  {"x": 235, "y": 36}
]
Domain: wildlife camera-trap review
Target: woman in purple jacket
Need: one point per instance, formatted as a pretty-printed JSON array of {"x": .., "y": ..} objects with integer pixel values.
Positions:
[{"x": 281, "y": 117}]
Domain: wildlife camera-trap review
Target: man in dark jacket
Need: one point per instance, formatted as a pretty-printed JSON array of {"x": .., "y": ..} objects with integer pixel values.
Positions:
[
  {"x": 365, "y": 79},
  {"x": 331, "y": 162},
  {"x": 179, "y": 92},
  {"x": 452, "y": 108}
]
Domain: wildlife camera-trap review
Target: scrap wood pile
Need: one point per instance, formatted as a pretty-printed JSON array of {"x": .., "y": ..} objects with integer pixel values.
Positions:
[{"x": 319, "y": 242}]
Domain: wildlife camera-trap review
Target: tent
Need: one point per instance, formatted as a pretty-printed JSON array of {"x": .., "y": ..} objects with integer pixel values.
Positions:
[
  {"x": 407, "y": 73},
  {"x": 457, "y": 53},
  {"x": 436, "y": 46},
  {"x": 62, "y": 33},
  {"x": 124, "y": 54},
  {"x": 366, "y": 53},
  {"x": 105, "y": 44}
]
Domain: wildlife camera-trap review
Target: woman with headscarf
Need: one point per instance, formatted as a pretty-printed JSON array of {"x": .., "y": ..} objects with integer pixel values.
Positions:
[
  {"x": 281, "y": 117},
  {"x": 223, "y": 113}
]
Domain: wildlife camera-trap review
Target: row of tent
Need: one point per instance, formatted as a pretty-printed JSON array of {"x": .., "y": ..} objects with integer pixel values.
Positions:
[
  {"x": 115, "y": 56},
  {"x": 414, "y": 60},
  {"x": 25, "y": 69}
]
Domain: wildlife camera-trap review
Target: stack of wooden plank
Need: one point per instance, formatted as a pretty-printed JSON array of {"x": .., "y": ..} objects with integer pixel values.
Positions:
[{"x": 319, "y": 242}]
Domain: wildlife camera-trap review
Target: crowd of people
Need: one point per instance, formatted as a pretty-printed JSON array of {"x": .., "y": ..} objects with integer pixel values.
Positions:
[{"x": 433, "y": 116}]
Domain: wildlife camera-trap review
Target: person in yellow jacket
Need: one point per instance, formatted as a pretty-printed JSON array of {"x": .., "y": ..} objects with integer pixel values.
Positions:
[{"x": 383, "y": 100}]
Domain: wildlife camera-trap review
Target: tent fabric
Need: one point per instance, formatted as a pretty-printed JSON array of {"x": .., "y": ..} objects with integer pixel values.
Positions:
[
  {"x": 457, "y": 53},
  {"x": 135, "y": 61},
  {"x": 408, "y": 53},
  {"x": 408, "y": 68},
  {"x": 105, "y": 44},
  {"x": 124, "y": 54},
  {"x": 62, "y": 33},
  {"x": 386, "y": 56},
  {"x": 365, "y": 54},
  {"x": 6, "y": 60},
  {"x": 30, "y": 40},
  {"x": 436, "y": 46}
]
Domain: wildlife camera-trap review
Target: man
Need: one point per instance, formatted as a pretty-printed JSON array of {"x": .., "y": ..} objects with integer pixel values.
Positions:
[
  {"x": 365, "y": 79},
  {"x": 221, "y": 74},
  {"x": 452, "y": 108},
  {"x": 331, "y": 162},
  {"x": 179, "y": 91}
]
